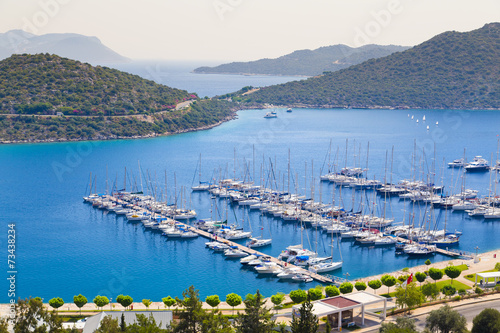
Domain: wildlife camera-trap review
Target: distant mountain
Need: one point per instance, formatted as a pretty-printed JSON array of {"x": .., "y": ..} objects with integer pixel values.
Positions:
[
  {"x": 307, "y": 62},
  {"x": 452, "y": 70},
  {"x": 72, "y": 46}
]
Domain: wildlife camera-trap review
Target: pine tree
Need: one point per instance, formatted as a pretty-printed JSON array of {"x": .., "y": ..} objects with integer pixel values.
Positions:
[
  {"x": 306, "y": 322},
  {"x": 192, "y": 315},
  {"x": 257, "y": 318},
  {"x": 123, "y": 325}
]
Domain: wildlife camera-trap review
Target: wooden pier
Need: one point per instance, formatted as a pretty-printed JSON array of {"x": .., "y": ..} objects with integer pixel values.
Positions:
[
  {"x": 446, "y": 252},
  {"x": 315, "y": 276}
]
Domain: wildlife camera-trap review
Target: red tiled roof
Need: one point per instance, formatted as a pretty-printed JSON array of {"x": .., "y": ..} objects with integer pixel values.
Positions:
[{"x": 340, "y": 302}]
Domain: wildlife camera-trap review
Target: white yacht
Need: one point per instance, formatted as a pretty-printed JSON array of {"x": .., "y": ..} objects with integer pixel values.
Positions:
[
  {"x": 268, "y": 268},
  {"x": 258, "y": 242},
  {"x": 477, "y": 164},
  {"x": 271, "y": 114},
  {"x": 302, "y": 278},
  {"x": 247, "y": 259},
  {"x": 458, "y": 163},
  {"x": 288, "y": 273},
  {"x": 324, "y": 267},
  {"x": 234, "y": 252}
]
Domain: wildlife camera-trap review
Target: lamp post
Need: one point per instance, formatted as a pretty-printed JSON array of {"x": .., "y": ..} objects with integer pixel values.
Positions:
[
  {"x": 111, "y": 304},
  {"x": 476, "y": 259}
]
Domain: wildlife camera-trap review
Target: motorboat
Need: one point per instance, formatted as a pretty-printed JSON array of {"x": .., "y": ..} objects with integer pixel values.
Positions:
[
  {"x": 478, "y": 211},
  {"x": 288, "y": 273},
  {"x": 492, "y": 213},
  {"x": 258, "y": 242},
  {"x": 289, "y": 110},
  {"x": 385, "y": 241},
  {"x": 477, "y": 164},
  {"x": 234, "y": 252},
  {"x": 324, "y": 267},
  {"x": 271, "y": 114},
  {"x": 189, "y": 234},
  {"x": 458, "y": 163},
  {"x": 247, "y": 259},
  {"x": 268, "y": 268},
  {"x": 446, "y": 241},
  {"x": 464, "y": 205},
  {"x": 302, "y": 278},
  {"x": 184, "y": 214},
  {"x": 259, "y": 261}
]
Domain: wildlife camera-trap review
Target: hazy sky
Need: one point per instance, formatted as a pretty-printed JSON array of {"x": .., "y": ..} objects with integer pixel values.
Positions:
[{"x": 245, "y": 29}]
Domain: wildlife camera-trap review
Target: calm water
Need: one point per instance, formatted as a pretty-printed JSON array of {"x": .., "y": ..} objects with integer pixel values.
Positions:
[
  {"x": 179, "y": 75},
  {"x": 65, "y": 247}
]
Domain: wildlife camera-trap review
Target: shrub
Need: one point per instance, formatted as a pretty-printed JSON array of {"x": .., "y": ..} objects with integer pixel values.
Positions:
[
  {"x": 436, "y": 274},
  {"x": 448, "y": 290},
  {"x": 420, "y": 276},
  {"x": 374, "y": 284},
  {"x": 332, "y": 291},
  {"x": 430, "y": 290},
  {"x": 452, "y": 272},
  {"x": 479, "y": 291},
  {"x": 315, "y": 294},
  {"x": 360, "y": 286},
  {"x": 346, "y": 287},
  {"x": 298, "y": 296}
]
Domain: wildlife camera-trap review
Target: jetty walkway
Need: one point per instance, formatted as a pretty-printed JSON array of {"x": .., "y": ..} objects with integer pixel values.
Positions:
[{"x": 249, "y": 251}]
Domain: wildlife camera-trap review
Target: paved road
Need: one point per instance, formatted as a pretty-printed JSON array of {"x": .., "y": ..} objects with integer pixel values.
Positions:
[{"x": 468, "y": 311}]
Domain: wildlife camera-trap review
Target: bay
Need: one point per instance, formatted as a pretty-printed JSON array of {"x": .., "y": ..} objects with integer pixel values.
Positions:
[{"x": 65, "y": 247}]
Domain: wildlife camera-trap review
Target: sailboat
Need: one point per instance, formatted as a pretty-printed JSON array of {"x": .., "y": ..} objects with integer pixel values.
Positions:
[
  {"x": 323, "y": 267},
  {"x": 202, "y": 186}
]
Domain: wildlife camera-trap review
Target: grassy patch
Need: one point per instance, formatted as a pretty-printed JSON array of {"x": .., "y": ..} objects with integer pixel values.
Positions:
[
  {"x": 463, "y": 267},
  {"x": 287, "y": 305},
  {"x": 472, "y": 277},
  {"x": 456, "y": 284},
  {"x": 71, "y": 318},
  {"x": 389, "y": 295}
]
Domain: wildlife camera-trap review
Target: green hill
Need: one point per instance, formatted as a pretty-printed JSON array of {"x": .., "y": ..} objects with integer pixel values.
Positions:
[
  {"x": 452, "y": 70},
  {"x": 44, "y": 83},
  {"x": 94, "y": 103},
  {"x": 307, "y": 62}
]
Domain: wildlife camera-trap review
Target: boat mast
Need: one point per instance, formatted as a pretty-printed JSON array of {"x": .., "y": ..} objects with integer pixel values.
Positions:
[
  {"x": 253, "y": 162},
  {"x": 288, "y": 171},
  {"x": 166, "y": 193},
  {"x": 107, "y": 179},
  {"x": 140, "y": 175}
]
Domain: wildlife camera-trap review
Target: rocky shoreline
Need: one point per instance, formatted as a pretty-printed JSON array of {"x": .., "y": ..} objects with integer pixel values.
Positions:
[{"x": 116, "y": 137}]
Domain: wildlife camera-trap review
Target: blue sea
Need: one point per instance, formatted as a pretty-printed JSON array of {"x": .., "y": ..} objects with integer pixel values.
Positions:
[{"x": 65, "y": 247}]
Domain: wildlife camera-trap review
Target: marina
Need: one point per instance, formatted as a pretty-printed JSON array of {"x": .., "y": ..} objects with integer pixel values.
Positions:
[{"x": 86, "y": 244}]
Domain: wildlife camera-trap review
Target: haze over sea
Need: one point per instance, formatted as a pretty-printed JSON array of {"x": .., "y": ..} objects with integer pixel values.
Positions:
[{"x": 65, "y": 247}]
